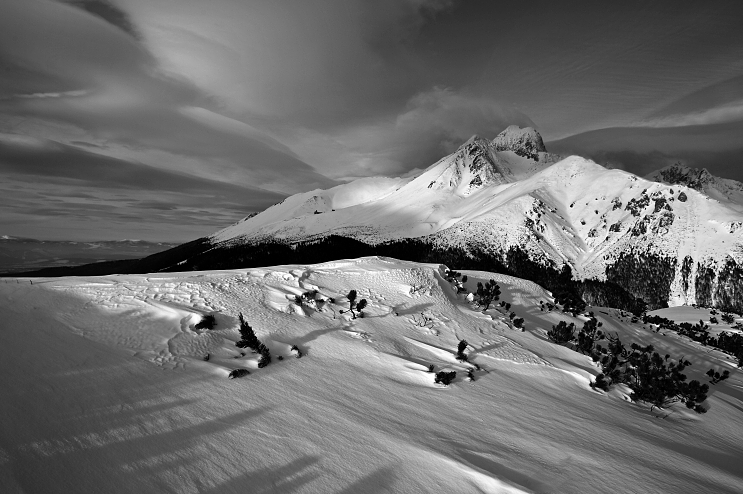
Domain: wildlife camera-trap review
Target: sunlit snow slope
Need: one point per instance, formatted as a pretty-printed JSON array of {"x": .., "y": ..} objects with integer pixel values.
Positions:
[{"x": 106, "y": 390}]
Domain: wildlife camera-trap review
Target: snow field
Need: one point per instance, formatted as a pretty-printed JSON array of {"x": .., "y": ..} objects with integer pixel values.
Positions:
[{"x": 106, "y": 390}]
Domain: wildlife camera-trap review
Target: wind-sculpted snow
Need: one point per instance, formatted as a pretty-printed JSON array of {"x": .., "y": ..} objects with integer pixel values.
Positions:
[{"x": 109, "y": 387}]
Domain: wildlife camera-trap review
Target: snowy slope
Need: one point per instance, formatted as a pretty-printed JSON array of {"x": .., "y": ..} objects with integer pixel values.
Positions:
[
  {"x": 384, "y": 208},
  {"x": 106, "y": 390}
]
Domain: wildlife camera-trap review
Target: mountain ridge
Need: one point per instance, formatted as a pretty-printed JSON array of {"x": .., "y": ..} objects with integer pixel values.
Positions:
[{"x": 667, "y": 244}]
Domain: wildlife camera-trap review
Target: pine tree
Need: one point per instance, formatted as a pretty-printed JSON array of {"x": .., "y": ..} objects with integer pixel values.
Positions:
[
  {"x": 488, "y": 293},
  {"x": 250, "y": 340},
  {"x": 247, "y": 335},
  {"x": 460, "y": 350}
]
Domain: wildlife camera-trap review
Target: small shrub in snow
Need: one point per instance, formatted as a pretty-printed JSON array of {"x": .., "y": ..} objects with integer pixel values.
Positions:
[
  {"x": 207, "y": 322},
  {"x": 310, "y": 295},
  {"x": 238, "y": 373},
  {"x": 296, "y": 351},
  {"x": 470, "y": 375},
  {"x": 280, "y": 357},
  {"x": 600, "y": 383},
  {"x": 716, "y": 377},
  {"x": 206, "y": 357},
  {"x": 728, "y": 318},
  {"x": 518, "y": 322},
  {"x": 430, "y": 367},
  {"x": 460, "y": 350},
  {"x": 444, "y": 377},
  {"x": 354, "y": 306},
  {"x": 713, "y": 320},
  {"x": 507, "y": 306}
]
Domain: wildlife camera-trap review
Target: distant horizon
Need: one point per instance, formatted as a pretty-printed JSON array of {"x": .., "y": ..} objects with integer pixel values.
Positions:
[{"x": 17, "y": 237}]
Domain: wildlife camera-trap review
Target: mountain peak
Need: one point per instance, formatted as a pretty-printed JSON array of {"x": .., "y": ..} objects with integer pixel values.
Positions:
[
  {"x": 721, "y": 189},
  {"x": 475, "y": 139},
  {"x": 677, "y": 173},
  {"x": 525, "y": 141}
]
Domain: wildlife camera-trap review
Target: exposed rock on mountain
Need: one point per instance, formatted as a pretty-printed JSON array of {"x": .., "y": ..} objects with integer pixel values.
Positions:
[
  {"x": 524, "y": 142},
  {"x": 721, "y": 189}
]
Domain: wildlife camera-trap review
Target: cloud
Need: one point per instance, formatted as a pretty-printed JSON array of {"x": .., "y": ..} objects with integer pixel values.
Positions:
[
  {"x": 317, "y": 63},
  {"x": 728, "y": 113},
  {"x": 101, "y": 197},
  {"x": 641, "y": 150},
  {"x": 433, "y": 124},
  {"x": 52, "y": 95},
  {"x": 25, "y": 156},
  {"x": 122, "y": 96},
  {"x": 108, "y": 12}
]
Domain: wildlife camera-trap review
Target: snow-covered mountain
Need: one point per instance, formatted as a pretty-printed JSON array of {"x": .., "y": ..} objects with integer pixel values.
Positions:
[
  {"x": 524, "y": 142},
  {"x": 508, "y": 205},
  {"x": 667, "y": 243}
]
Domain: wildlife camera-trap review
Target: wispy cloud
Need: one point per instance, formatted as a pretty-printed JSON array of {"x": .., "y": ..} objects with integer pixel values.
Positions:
[{"x": 731, "y": 112}]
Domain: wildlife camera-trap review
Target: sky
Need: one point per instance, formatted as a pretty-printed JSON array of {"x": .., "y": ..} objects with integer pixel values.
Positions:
[{"x": 167, "y": 120}]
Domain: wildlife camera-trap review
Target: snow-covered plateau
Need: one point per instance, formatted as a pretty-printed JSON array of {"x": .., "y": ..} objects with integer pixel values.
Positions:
[{"x": 107, "y": 386}]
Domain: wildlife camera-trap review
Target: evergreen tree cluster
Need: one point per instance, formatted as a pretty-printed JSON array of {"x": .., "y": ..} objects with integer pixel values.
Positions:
[
  {"x": 653, "y": 378},
  {"x": 456, "y": 278},
  {"x": 562, "y": 333},
  {"x": 730, "y": 343}
]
